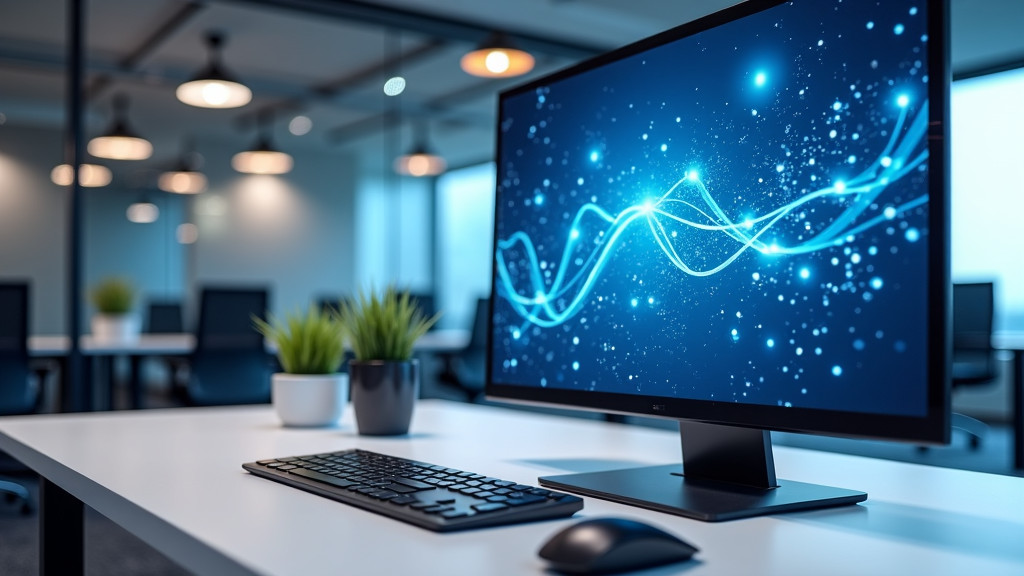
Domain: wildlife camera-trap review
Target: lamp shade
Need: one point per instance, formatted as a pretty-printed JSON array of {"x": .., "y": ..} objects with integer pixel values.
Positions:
[
  {"x": 213, "y": 87},
  {"x": 262, "y": 159},
  {"x": 120, "y": 142},
  {"x": 90, "y": 175},
  {"x": 497, "y": 57},
  {"x": 182, "y": 181},
  {"x": 419, "y": 163},
  {"x": 143, "y": 212}
]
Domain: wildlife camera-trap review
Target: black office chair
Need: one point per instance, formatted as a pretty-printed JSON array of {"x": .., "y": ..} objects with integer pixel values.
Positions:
[
  {"x": 425, "y": 302},
  {"x": 165, "y": 317},
  {"x": 20, "y": 391},
  {"x": 974, "y": 358},
  {"x": 465, "y": 370},
  {"x": 230, "y": 364}
]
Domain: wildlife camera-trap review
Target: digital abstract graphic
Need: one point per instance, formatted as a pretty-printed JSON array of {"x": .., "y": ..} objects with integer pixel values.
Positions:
[{"x": 739, "y": 216}]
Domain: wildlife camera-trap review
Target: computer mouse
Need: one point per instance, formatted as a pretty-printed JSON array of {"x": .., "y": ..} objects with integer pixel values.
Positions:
[{"x": 606, "y": 545}]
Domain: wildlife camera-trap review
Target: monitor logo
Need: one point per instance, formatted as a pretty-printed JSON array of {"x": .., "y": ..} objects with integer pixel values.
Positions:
[{"x": 658, "y": 407}]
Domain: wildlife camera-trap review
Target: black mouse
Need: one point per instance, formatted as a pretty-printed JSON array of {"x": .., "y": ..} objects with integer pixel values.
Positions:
[{"x": 606, "y": 545}]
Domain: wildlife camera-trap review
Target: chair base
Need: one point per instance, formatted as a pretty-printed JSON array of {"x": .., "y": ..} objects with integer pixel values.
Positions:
[{"x": 16, "y": 492}]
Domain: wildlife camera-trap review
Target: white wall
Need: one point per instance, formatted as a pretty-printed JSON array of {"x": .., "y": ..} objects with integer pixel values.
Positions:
[{"x": 294, "y": 233}]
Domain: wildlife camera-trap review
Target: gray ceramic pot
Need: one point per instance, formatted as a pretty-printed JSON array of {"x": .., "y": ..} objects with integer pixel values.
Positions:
[{"x": 383, "y": 395}]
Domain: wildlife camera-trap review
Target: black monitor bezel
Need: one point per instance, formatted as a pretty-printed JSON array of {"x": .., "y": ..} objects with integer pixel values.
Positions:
[{"x": 934, "y": 426}]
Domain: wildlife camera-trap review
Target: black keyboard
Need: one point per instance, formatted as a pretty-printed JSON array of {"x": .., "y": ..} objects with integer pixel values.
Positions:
[{"x": 427, "y": 495}]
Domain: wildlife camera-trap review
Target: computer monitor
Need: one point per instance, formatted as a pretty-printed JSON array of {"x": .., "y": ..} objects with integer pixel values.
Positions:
[{"x": 740, "y": 223}]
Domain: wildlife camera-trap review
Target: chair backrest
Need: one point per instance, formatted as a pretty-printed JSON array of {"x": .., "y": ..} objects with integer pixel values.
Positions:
[
  {"x": 425, "y": 302},
  {"x": 226, "y": 317},
  {"x": 164, "y": 318},
  {"x": 974, "y": 359},
  {"x": 17, "y": 395},
  {"x": 973, "y": 313},
  {"x": 478, "y": 331},
  {"x": 230, "y": 364}
]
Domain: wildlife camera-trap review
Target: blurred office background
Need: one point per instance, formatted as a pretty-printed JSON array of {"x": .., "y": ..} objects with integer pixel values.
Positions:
[{"x": 342, "y": 218}]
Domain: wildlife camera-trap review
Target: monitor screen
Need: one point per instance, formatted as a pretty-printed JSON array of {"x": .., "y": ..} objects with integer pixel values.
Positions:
[{"x": 740, "y": 221}]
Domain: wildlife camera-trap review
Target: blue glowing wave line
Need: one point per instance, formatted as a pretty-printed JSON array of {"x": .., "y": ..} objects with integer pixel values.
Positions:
[{"x": 537, "y": 305}]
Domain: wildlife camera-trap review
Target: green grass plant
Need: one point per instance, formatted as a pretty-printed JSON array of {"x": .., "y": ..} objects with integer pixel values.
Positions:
[
  {"x": 384, "y": 326},
  {"x": 310, "y": 343},
  {"x": 113, "y": 295}
]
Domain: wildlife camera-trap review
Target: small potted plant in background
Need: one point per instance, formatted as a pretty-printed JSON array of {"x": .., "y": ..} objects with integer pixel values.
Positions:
[
  {"x": 114, "y": 319},
  {"x": 385, "y": 378},
  {"x": 310, "y": 347}
]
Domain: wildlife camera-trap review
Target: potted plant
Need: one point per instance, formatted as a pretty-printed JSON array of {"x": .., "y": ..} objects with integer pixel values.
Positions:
[
  {"x": 310, "y": 347},
  {"x": 385, "y": 378},
  {"x": 114, "y": 301}
]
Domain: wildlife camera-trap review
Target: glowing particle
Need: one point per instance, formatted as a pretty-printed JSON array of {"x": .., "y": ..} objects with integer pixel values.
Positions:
[
  {"x": 760, "y": 79},
  {"x": 576, "y": 365},
  {"x": 855, "y": 258},
  {"x": 799, "y": 351},
  {"x": 859, "y": 344},
  {"x": 805, "y": 273},
  {"x": 876, "y": 283},
  {"x": 753, "y": 112},
  {"x": 817, "y": 351},
  {"x": 538, "y": 199},
  {"x": 837, "y": 106},
  {"x": 579, "y": 181},
  {"x": 576, "y": 340},
  {"x": 779, "y": 168},
  {"x": 889, "y": 212},
  {"x": 394, "y": 86},
  {"x": 912, "y": 235},
  {"x": 594, "y": 157},
  {"x": 885, "y": 161},
  {"x": 870, "y": 25},
  {"x": 634, "y": 302},
  {"x": 852, "y": 159},
  {"x": 692, "y": 175},
  {"x": 574, "y": 234},
  {"x": 837, "y": 370},
  {"x": 840, "y": 186},
  {"x": 516, "y": 334},
  {"x": 771, "y": 343},
  {"x": 644, "y": 136},
  {"x": 898, "y": 29},
  {"x": 832, "y": 134},
  {"x": 664, "y": 147},
  {"x": 903, "y": 100},
  {"x": 756, "y": 275}
]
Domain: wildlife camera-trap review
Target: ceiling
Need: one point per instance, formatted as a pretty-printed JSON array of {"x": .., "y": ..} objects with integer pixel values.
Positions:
[{"x": 328, "y": 60}]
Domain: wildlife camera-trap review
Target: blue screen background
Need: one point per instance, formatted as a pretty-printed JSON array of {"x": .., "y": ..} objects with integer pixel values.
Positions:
[{"x": 737, "y": 216}]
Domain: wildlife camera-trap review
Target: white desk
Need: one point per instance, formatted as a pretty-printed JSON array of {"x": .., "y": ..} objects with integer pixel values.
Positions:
[
  {"x": 174, "y": 479},
  {"x": 56, "y": 346}
]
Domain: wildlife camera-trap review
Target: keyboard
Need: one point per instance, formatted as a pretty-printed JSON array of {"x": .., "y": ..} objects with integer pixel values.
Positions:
[{"x": 427, "y": 495}]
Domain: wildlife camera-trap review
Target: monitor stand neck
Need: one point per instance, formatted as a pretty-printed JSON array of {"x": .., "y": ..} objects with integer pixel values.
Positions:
[
  {"x": 716, "y": 453},
  {"x": 728, "y": 473}
]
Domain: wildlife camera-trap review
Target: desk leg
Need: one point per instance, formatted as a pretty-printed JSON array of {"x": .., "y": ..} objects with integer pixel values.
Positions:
[
  {"x": 1018, "y": 410},
  {"x": 135, "y": 381},
  {"x": 61, "y": 531}
]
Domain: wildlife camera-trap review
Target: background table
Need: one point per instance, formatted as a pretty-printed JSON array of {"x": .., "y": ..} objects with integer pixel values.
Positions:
[{"x": 173, "y": 478}]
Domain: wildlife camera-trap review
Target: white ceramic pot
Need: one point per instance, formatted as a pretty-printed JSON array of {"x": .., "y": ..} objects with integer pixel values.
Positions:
[
  {"x": 309, "y": 399},
  {"x": 115, "y": 327}
]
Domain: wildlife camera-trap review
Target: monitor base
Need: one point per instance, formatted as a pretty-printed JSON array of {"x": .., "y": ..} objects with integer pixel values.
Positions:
[{"x": 665, "y": 489}]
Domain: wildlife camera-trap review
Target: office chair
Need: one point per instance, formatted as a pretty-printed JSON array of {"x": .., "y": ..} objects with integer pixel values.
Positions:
[
  {"x": 425, "y": 302},
  {"x": 465, "y": 370},
  {"x": 974, "y": 358},
  {"x": 165, "y": 317},
  {"x": 230, "y": 364},
  {"x": 20, "y": 393}
]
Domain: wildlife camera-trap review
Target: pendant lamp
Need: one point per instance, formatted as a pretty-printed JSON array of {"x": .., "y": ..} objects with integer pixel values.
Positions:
[
  {"x": 262, "y": 158},
  {"x": 185, "y": 178},
  {"x": 420, "y": 161},
  {"x": 120, "y": 142},
  {"x": 497, "y": 57},
  {"x": 213, "y": 87},
  {"x": 90, "y": 175}
]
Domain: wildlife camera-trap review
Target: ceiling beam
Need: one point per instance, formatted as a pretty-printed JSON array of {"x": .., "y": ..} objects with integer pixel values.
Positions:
[
  {"x": 149, "y": 44},
  {"x": 431, "y": 25}
]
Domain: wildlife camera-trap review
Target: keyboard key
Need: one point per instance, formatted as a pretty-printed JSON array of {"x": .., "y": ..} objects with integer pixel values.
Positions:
[{"x": 490, "y": 506}]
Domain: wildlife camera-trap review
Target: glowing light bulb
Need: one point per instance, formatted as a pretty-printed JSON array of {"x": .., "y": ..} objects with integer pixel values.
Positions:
[
  {"x": 497, "y": 61},
  {"x": 216, "y": 93}
]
